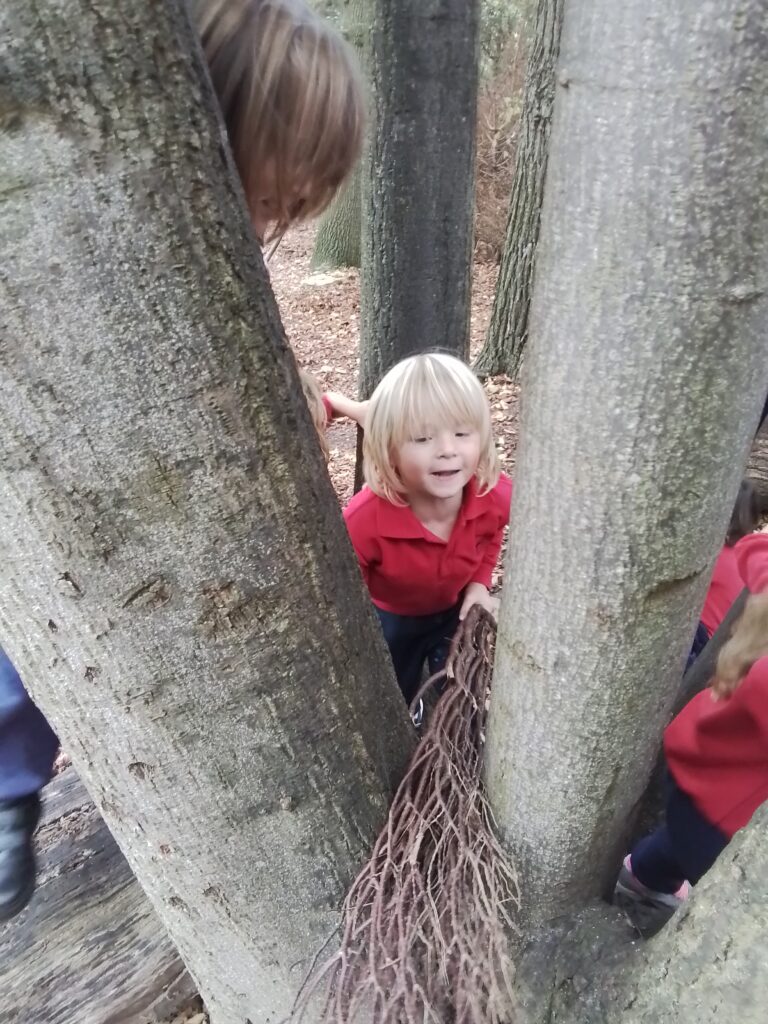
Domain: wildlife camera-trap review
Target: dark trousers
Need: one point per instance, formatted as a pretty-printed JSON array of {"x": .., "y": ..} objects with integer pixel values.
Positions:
[
  {"x": 28, "y": 745},
  {"x": 415, "y": 639},
  {"x": 700, "y": 641},
  {"x": 684, "y": 848}
]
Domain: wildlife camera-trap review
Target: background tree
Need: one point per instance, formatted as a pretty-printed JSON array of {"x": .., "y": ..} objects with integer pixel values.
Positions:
[
  {"x": 177, "y": 590},
  {"x": 339, "y": 232},
  {"x": 646, "y": 357},
  {"x": 508, "y": 328},
  {"x": 418, "y": 182},
  {"x": 758, "y": 466}
]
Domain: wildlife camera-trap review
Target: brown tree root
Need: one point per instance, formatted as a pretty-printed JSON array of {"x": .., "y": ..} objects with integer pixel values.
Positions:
[{"x": 426, "y": 924}]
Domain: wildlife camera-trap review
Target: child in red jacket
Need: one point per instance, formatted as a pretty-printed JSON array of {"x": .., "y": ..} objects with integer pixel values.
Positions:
[
  {"x": 726, "y": 583},
  {"x": 427, "y": 530},
  {"x": 717, "y": 756}
]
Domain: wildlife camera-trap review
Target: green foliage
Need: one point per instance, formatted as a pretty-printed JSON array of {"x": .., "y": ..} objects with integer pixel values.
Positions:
[{"x": 500, "y": 22}]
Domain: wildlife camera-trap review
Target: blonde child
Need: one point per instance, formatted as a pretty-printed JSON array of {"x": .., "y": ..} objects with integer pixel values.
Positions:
[
  {"x": 427, "y": 529},
  {"x": 292, "y": 102}
]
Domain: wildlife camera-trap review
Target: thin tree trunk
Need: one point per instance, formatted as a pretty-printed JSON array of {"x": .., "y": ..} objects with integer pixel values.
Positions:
[
  {"x": 647, "y": 356},
  {"x": 757, "y": 468},
  {"x": 339, "y": 233},
  {"x": 177, "y": 590},
  {"x": 90, "y": 948},
  {"x": 508, "y": 329},
  {"x": 418, "y": 183}
]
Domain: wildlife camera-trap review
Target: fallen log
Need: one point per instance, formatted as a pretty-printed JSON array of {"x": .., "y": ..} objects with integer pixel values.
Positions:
[{"x": 89, "y": 949}]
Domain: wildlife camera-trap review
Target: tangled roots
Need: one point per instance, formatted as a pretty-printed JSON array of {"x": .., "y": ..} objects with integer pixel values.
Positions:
[{"x": 426, "y": 923}]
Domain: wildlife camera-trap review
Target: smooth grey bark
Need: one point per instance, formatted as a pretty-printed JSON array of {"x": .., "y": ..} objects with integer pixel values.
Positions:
[
  {"x": 646, "y": 359},
  {"x": 177, "y": 590},
  {"x": 418, "y": 183},
  {"x": 708, "y": 965},
  {"x": 339, "y": 232},
  {"x": 89, "y": 948},
  {"x": 508, "y": 327}
]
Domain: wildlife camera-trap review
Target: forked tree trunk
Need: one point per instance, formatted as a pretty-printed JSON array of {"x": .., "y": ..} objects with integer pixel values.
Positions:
[
  {"x": 177, "y": 589},
  {"x": 707, "y": 966},
  {"x": 508, "y": 329},
  {"x": 418, "y": 183},
  {"x": 339, "y": 233},
  {"x": 646, "y": 359}
]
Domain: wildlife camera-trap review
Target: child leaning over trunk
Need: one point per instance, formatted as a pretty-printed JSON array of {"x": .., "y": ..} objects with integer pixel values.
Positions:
[
  {"x": 717, "y": 755},
  {"x": 427, "y": 529}
]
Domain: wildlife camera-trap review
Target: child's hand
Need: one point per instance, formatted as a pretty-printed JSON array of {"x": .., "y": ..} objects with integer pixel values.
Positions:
[
  {"x": 747, "y": 644},
  {"x": 343, "y": 406},
  {"x": 476, "y": 593}
]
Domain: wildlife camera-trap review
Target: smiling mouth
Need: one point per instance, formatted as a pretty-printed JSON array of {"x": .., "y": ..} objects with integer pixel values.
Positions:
[{"x": 445, "y": 474}]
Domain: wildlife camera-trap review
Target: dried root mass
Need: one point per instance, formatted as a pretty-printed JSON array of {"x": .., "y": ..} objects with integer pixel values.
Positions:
[{"x": 425, "y": 930}]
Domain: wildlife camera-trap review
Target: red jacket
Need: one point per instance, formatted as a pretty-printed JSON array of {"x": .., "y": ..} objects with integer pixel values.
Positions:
[
  {"x": 725, "y": 587},
  {"x": 717, "y": 751},
  {"x": 410, "y": 571}
]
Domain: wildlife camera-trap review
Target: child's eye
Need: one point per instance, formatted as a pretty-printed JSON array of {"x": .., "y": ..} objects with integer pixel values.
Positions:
[
  {"x": 420, "y": 440},
  {"x": 463, "y": 433}
]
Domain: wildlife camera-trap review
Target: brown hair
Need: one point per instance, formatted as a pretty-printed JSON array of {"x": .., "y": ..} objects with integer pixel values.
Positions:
[
  {"x": 314, "y": 397},
  {"x": 745, "y": 515},
  {"x": 292, "y": 98}
]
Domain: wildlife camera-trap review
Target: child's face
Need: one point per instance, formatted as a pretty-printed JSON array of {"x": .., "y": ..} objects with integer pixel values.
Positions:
[{"x": 439, "y": 462}]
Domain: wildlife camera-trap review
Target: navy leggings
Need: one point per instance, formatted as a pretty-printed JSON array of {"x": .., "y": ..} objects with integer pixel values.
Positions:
[
  {"x": 414, "y": 639},
  {"x": 684, "y": 848}
]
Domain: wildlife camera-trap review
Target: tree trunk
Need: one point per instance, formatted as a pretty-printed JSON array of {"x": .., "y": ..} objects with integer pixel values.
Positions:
[
  {"x": 647, "y": 356},
  {"x": 707, "y": 966},
  {"x": 90, "y": 948},
  {"x": 418, "y": 183},
  {"x": 339, "y": 233},
  {"x": 178, "y": 590},
  {"x": 508, "y": 328}
]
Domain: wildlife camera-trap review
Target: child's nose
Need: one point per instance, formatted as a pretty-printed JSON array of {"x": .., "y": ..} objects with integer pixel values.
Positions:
[{"x": 446, "y": 442}]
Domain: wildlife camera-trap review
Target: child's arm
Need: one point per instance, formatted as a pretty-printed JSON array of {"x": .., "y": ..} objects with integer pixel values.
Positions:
[
  {"x": 749, "y": 641},
  {"x": 343, "y": 406}
]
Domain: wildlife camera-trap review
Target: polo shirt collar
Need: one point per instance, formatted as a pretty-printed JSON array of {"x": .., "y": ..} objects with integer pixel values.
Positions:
[{"x": 400, "y": 522}]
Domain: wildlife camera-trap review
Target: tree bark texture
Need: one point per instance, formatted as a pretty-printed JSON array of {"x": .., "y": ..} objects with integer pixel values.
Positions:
[
  {"x": 178, "y": 591},
  {"x": 339, "y": 232},
  {"x": 418, "y": 183},
  {"x": 508, "y": 329},
  {"x": 89, "y": 949},
  {"x": 708, "y": 965},
  {"x": 647, "y": 355}
]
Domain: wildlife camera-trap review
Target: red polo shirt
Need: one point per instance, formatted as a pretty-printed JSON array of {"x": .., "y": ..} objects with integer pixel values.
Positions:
[
  {"x": 725, "y": 587},
  {"x": 717, "y": 751},
  {"x": 409, "y": 570}
]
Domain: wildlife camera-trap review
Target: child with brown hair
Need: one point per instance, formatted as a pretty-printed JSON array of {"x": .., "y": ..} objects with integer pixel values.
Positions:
[{"x": 292, "y": 100}]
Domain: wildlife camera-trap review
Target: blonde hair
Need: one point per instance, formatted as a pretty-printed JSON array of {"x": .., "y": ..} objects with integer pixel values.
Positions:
[
  {"x": 290, "y": 90},
  {"x": 431, "y": 389},
  {"x": 317, "y": 411}
]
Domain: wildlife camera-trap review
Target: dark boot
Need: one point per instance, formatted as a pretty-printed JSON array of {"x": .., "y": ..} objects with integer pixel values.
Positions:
[{"x": 18, "y": 821}]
